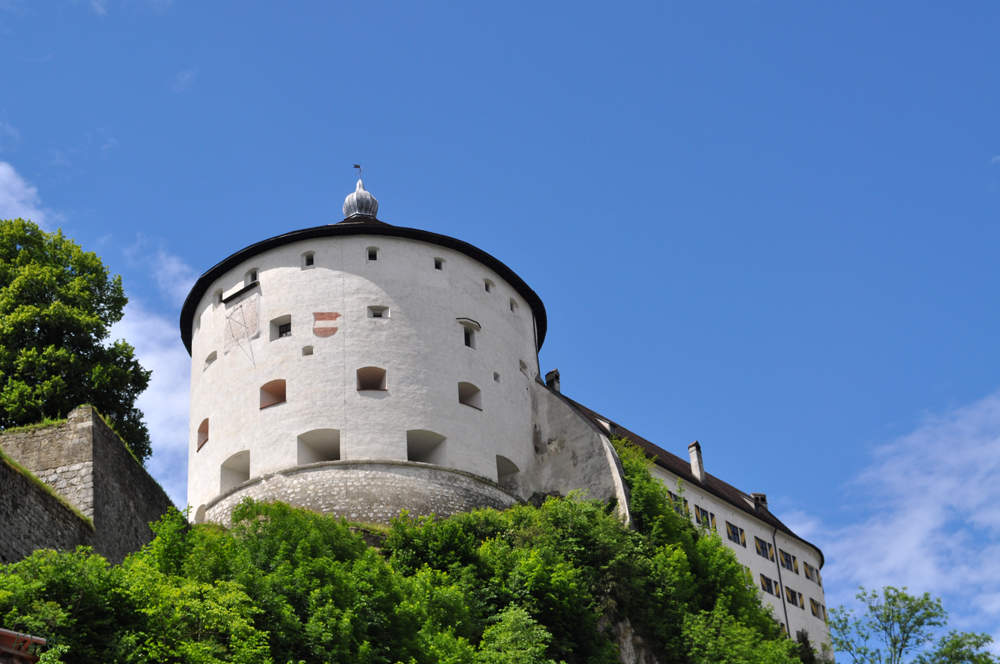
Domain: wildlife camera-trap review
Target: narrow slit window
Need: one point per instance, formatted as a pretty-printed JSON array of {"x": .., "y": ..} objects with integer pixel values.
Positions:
[
  {"x": 217, "y": 298},
  {"x": 470, "y": 337},
  {"x": 202, "y": 434},
  {"x": 251, "y": 277},
  {"x": 513, "y": 306},
  {"x": 496, "y": 376},
  {"x": 438, "y": 263},
  {"x": 489, "y": 285}
]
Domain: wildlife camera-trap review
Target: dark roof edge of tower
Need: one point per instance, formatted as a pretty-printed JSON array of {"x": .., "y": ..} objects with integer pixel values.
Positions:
[
  {"x": 712, "y": 484},
  {"x": 356, "y": 226}
]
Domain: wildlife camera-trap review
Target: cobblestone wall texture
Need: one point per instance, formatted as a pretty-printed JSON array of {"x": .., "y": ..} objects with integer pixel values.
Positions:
[
  {"x": 368, "y": 491},
  {"x": 87, "y": 464}
]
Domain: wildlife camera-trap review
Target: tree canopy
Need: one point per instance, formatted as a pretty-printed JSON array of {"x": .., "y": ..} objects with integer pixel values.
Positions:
[
  {"x": 895, "y": 627},
  {"x": 57, "y": 304},
  {"x": 530, "y": 584}
]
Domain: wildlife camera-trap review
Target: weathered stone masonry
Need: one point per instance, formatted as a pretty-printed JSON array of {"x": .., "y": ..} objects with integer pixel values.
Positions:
[{"x": 86, "y": 463}]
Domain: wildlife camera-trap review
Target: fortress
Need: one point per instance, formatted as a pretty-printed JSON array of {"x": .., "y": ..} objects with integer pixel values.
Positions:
[{"x": 362, "y": 368}]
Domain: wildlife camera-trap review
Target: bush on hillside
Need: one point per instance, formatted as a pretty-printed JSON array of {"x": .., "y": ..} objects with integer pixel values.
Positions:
[{"x": 524, "y": 585}]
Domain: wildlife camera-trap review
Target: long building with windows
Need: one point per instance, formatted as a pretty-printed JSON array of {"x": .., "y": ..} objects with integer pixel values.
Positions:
[{"x": 361, "y": 368}]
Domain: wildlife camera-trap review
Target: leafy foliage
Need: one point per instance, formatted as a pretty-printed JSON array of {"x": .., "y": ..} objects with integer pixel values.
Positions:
[
  {"x": 895, "y": 624},
  {"x": 57, "y": 304},
  {"x": 534, "y": 585}
]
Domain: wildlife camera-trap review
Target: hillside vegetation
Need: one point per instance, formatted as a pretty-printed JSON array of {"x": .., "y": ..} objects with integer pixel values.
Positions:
[{"x": 526, "y": 585}]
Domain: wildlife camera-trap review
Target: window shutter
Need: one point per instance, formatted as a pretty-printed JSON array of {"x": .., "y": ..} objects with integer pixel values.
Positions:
[
  {"x": 743, "y": 537},
  {"x": 795, "y": 563},
  {"x": 713, "y": 522}
]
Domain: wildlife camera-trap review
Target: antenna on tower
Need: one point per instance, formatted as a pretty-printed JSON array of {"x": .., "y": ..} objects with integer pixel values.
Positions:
[{"x": 360, "y": 170}]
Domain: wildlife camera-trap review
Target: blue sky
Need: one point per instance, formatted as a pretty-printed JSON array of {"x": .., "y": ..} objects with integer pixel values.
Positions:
[{"x": 770, "y": 227}]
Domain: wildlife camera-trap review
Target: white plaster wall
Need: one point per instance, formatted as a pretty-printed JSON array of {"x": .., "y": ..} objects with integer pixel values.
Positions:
[
  {"x": 798, "y": 619},
  {"x": 421, "y": 346}
]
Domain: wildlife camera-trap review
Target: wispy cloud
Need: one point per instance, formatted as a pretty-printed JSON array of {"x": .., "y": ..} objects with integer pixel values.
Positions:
[
  {"x": 995, "y": 160},
  {"x": 19, "y": 199},
  {"x": 182, "y": 80},
  {"x": 9, "y": 136},
  {"x": 100, "y": 7},
  {"x": 174, "y": 278},
  {"x": 165, "y": 403},
  {"x": 926, "y": 514}
]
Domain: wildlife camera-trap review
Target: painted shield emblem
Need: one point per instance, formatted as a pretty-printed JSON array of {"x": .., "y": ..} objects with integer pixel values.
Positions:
[{"x": 325, "y": 323}]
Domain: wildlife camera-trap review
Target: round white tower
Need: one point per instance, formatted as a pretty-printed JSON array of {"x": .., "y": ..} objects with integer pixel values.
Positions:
[{"x": 335, "y": 365}]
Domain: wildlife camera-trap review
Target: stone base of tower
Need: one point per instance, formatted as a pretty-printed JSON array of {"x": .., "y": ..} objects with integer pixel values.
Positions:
[{"x": 365, "y": 491}]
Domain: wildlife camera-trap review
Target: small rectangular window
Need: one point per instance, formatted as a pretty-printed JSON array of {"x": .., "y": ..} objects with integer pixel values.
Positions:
[
  {"x": 378, "y": 312},
  {"x": 285, "y": 330},
  {"x": 373, "y": 254},
  {"x": 470, "y": 337},
  {"x": 310, "y": 260},
  {"x": 768, "y": 585},
  {"x": 701, "y": 516},
  {"x": 438, "y": 264},
  {"x": 735, "y": 534},
  {"x": 764, "y": 549}
]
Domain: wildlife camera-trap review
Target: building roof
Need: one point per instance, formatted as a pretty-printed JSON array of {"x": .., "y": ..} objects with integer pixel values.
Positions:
[
  {"x": 361, "y": 225},
  {"x": 682, "y": 469}
]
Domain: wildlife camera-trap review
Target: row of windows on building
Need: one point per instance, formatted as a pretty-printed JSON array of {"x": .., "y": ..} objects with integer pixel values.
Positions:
[
  {"x": 372, "y": 253},
  {"x": 766, "y": 550},
  {"x": 320, "y": 445},
  {"x": 735, "y": 534},
  {"x": 793, "y": 597},
  {"x": 275, "y": 392}
]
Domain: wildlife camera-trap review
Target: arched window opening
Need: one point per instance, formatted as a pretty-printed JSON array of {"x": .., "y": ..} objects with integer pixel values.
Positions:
[
  {"x": 425, "y": 447},
  {"x": 272, "y": 393},
  {"x": 513, "y": 306},
  {"x": 319, "y": 445},
  {"x": 307, "y": 350},
  {"x": 199, "y": 515},
  {"x": 308, "y": 260},
  {"x": 281, "y": 327},
  {"x": 506, "y": 473},
  {"x": 212, "y": 357},
  {"x": 250, "y": 277},
  {"x": 235, "y": 471},
  {"x": 202, "y": 434},
  {"x": 372, "y": 253},
  {"x": 371, "y": 378},
  {"x": 470, "y": 395}
]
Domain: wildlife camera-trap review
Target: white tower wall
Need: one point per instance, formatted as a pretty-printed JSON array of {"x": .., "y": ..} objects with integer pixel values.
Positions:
[{"x": 420, "y": 345}]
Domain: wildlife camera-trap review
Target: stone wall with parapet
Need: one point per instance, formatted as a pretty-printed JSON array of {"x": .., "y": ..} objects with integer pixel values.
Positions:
[
  {"x": 366, "y": 491},
  {"x": 31, "y": 518},
  {"x": 87, "y": 463}
]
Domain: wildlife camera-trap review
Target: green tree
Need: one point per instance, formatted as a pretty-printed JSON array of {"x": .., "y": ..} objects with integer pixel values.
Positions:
[
  {"x": 57, "y": 304},
  {"x": 895, "y": 625}
]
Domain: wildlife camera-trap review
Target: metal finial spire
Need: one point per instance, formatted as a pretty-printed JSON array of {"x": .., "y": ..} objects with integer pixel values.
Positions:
[{"x": 360, "y": 170}]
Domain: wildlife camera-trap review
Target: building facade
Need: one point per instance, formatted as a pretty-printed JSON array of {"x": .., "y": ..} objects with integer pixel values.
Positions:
[{"x": 360, "y": 368}]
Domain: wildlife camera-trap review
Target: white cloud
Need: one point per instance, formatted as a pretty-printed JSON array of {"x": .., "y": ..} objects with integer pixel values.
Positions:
[
  {"x": 19, "y": 199},
  {"x": 173, "y": 276},
  {"x": 926, "y": 515},
  {"x": 182, "y": 80},
  {"x": 165, "y": 403},
  {"x": 100, "y": 7}
]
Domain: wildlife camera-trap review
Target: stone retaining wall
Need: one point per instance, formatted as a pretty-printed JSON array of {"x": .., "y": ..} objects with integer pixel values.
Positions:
[
  {"x": 86, "y": 463},
  {"x": 32, "y": 519},
  {"x": 366, "y": 491}
]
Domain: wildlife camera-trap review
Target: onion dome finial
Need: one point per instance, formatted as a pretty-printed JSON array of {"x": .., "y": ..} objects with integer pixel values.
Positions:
[{"x": 360, "y": 203}]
